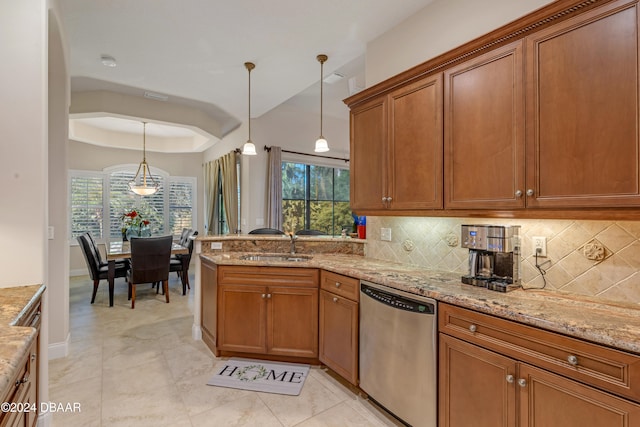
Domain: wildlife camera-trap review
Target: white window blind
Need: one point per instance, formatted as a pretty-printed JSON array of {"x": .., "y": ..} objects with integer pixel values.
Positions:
[
  {"x": 87, "y": 204},
  {"x": 181, "y": 198},
  {"x": 97, "y": 201},
  {"x": 122, "y": 200}
]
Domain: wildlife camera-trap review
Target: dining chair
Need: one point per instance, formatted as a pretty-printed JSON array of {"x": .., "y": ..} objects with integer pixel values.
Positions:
[
  {"x": 266, "y": 231},
  {"x": 180, "y": 264},
  {"x": 98, "y": 270},
  {"x": 149, "y": 263},
  {"x": 307, "y": 232}
]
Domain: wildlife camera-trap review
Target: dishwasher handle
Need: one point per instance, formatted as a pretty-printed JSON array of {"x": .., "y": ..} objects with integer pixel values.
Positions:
[{"x": 393, "y": 299}]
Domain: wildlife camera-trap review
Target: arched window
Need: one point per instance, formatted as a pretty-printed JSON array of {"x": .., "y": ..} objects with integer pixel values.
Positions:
[{"x": 98, "y": 200}]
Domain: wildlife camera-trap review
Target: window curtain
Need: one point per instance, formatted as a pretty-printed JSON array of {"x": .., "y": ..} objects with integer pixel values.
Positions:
[
  {"x": 274, "y": 189},
  {"x": 229, "y": 174},
  {"x": 211, "y": 173}
]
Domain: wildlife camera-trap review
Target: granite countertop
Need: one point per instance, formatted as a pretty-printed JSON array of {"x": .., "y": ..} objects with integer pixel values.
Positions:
[
  {"x": 612, "y": 324},
  {"x": 15, "y": 304}
]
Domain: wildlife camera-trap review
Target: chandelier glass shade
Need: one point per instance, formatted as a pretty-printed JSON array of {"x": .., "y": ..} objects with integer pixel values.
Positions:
[{"x": 143, "y": 183}]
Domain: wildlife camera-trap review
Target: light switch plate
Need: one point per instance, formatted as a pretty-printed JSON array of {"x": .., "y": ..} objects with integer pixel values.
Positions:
[{"x": 385, "y": 234}]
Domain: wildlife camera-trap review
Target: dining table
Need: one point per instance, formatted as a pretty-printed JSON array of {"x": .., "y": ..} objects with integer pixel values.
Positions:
[{"x": 118, "y": 249}]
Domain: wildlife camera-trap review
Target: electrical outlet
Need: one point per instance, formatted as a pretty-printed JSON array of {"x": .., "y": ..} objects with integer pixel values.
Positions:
[
  {"x": 216, "y": 245},
  {"x": 539, "y": 245},
  {"x": 385, "y": 234}
]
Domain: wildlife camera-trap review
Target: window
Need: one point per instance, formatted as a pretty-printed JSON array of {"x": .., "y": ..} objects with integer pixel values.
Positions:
[
  {"x": 98, "y": 200},
  {"x": 315, "y": 197}
]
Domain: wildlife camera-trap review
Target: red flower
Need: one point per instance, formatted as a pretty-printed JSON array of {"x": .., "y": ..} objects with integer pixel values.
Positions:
[
  {"x": 145, "y": 222},
  {"x": 132, "y": 214}
]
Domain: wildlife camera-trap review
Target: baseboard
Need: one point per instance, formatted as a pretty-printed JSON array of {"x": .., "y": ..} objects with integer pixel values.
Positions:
[
  {"x": 79, "y": 272},
  {"x": 196, "y": 332},
  {"x": 59, "y": 350},
  {"x": 44, "y": 419}
]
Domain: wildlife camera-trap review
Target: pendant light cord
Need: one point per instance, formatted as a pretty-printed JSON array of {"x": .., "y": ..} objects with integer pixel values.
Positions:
[
  {"x": 250, "y": 66},
  {"x": 321, "y": 59}
]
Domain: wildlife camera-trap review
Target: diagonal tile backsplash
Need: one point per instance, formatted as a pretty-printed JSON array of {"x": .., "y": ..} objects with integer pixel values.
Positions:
[{"x": 594, "y": 258}]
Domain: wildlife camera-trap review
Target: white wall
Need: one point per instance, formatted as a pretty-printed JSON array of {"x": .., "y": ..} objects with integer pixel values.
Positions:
[
  {"x": 436, "y": 29},
  {"x": 23, "y": 133}
]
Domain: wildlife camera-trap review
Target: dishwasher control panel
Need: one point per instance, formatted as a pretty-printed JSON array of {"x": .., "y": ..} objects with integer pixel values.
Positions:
[{"x": 398, "y": 301}]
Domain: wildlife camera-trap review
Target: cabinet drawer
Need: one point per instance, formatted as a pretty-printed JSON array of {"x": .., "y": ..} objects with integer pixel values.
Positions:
[
  {"x": 268, "y": 276},
  {"x": 593, "y": 364},
  {"x": 344, "y": 286}
]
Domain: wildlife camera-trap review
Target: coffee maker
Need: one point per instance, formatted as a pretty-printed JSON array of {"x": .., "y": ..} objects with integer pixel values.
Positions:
[{"x": 494, "y": 256}]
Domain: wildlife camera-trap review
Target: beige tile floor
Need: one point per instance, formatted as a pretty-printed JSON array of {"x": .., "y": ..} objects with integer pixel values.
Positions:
[{"x": 142, "y": 368}]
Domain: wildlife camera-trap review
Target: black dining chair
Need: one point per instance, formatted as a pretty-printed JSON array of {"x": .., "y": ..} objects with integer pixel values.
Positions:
[
  {"x": 98, "y": 270},
  {"x": 266, "y": 231},
  {"x": 310, "y": 233},
  {"x": 180, "y": 264},
  {"x": 149, "y": 264}
]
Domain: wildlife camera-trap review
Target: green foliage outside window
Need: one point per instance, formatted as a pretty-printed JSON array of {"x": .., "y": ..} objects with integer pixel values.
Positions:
[{"x": 315, "y": 197}]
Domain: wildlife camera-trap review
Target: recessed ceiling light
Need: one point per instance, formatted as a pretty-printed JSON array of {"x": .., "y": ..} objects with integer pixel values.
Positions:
[{"x": 108, "y": 61}]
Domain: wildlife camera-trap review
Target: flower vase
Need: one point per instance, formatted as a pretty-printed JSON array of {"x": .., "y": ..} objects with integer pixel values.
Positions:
[
  {"x": 124, "y": 236},
  {"x": 132, "y": 232}
]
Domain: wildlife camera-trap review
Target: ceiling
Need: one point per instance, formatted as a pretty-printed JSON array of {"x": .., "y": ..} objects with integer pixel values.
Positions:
[{"x": 193, "y": 51}]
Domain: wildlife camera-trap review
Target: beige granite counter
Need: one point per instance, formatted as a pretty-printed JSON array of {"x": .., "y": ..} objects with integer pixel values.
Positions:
[
  {"x": 615, "y": 325},
  {"x": 15, "y": 304}
]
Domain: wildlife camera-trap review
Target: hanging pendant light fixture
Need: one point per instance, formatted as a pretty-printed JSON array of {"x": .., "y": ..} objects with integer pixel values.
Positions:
[
  {"x": 143, "y": 184},
  {"x": 249, "y": 149},
  {"x": 321, "y": 144}
]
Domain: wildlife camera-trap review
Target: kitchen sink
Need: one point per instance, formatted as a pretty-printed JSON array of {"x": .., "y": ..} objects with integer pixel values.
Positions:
[{"x": 276, "y": 257}]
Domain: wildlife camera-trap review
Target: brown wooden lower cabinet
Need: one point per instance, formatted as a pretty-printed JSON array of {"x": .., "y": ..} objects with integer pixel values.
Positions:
[
  {"x": 481, "y": 387},
  {"x": 339, "y": 296},
  {"x": 23, "y": 393},
  {"x": 267, "y": 310}
]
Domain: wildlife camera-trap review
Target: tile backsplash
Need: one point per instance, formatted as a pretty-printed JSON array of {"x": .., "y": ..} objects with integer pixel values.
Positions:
[{"x": 595, "y": 258}]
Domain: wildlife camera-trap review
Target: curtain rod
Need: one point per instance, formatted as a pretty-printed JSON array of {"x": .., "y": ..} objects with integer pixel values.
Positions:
[{"x": 307, "y": 154}]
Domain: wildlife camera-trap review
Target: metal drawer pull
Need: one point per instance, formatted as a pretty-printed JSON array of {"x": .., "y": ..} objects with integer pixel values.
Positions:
[
  {"x": 338, "y": 284},
  {"x": 473, "y": 328},
  {"x": 573, "y": 360},
  {"x": 335, "y": 299},
  {"x": 510, "y": 379},
  {"x": 522, "y": 382}
]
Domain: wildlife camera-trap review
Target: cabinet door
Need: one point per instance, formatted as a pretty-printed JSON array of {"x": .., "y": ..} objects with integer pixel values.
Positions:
[
  {"x": 549, "y": 400},
  {"x": 368, "y": 157},
  {"x": 209, "y": 302},
  {"x": 415, "y": 145},
  {"x": 339, "y": 335},
  {"x": 476, "y": 386},
  {"x": 582, "y": 112},
  {"x": 292, "y": 321},
  {"x": 241, "y": 318},
  {"x": 484, "y": 131}
]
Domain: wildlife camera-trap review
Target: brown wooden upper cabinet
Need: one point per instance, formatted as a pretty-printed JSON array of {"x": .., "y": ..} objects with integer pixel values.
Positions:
[
  {"x": 396, "y": 149},
  {"x": 484, "y": 131},
  {"x": 582, "y": 110}
]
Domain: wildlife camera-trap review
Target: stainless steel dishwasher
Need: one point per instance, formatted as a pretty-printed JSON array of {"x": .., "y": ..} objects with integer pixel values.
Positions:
[{"x": 398, "y": 332}]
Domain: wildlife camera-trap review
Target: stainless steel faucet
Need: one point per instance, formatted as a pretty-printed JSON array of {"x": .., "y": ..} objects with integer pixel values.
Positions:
[{"x": 292, "y": 248}]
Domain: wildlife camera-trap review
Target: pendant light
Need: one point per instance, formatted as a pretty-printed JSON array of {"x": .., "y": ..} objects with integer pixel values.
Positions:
[
  {"x": 143, "y": 185},
  {"x": 321, "y": 144},
  {"x": 249, "y": 149}
]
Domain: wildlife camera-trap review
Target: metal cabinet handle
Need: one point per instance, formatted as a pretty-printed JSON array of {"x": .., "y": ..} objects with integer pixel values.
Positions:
[
  {"x": 384, "y": 199},
  {"x": 389, "y": 199},
  {"x": 573, "y": 360},
  {"x": 473, "y": 328},
  {"x": 338, "y": 284},
  {"x": 268, "y": 295},
  {"x": 522, "y": 382},
  {"x": 519, "y": 193},
  {"x": 335, "y": 299},
  {"x": 530, "y": 192},
  {"x": 33, "y": 357},
  {"x": 510, "y": 379},
  {"x": 264, "y": 295},
  {"x": 25, "y": 379}
]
